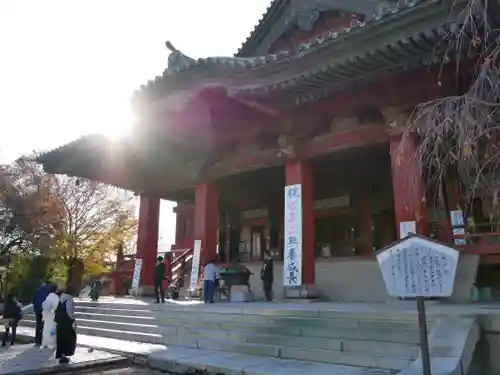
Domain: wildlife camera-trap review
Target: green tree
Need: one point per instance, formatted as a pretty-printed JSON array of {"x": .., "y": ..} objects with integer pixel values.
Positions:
[
  {"x": 70, "y": 221},
  {"x": 25, "y": 273}
]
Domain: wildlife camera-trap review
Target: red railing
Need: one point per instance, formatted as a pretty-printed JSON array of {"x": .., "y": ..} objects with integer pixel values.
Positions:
[{"x": 179, "y": 263}]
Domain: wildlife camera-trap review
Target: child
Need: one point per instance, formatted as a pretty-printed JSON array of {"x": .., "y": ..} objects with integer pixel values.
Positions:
[
  {"x": 49, "y": 307},
  {"x": 12, "y": 314}
]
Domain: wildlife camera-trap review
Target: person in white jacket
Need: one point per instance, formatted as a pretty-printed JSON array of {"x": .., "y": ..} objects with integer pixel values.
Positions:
[{"x": 49, "y": 307}]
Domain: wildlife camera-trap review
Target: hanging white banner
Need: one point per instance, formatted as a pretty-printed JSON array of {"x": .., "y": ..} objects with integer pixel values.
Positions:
[
  {"x": 195, "y": 265},
  {"x": 136, "y": 278},
  {"x": 293, "y": 236}
]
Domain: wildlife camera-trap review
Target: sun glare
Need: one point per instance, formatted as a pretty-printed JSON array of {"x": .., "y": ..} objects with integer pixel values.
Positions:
[{"x": 119, "y": 122}]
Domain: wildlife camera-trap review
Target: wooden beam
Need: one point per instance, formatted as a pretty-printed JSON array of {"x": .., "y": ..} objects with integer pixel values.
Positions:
[
  {"x": 406, "y": 90},
  {"x": 334, "y": 142}
]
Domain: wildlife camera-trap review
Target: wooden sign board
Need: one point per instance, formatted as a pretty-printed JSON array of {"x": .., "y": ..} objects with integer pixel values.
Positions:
[{"x": 418, "y": 267}]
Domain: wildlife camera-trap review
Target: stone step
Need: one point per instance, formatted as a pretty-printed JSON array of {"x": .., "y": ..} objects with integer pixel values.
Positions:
[
  {"x": 146, "y": 319},
  {"x": 241, "y": 331},
  {"x": 169, "y": 318},
  {"x": 327, "y": 356},
  {"x": 180, "y": 360},
  {"x": 261, "y": 309},
  {"x": 344, "y": 344},
  {"x": 285, "y": 309},
  {"x": 122, "y": 334},
  {"x": 346, "y": 319},
  {"x": 345, "y": 358},
  {"x": 189, "y": 336}
]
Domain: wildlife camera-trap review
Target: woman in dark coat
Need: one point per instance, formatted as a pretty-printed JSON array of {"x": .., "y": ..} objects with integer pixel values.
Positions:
[{"x": 66, "y": 328}]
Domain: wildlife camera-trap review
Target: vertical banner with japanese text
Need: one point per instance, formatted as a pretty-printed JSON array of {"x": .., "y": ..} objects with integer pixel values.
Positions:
[
  {"x": 136, "y": 276},
  {"x": 293, "y": 236}
]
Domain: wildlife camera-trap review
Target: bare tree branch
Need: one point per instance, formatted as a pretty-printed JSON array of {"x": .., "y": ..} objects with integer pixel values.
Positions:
[{"x": 460, "y": 134}]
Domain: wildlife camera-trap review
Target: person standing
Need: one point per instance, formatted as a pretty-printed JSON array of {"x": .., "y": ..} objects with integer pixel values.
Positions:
[
  {"x": 49, "y": 307},
  {"x": 12, "y": 314},
  {"x": 209, "y": 276},
  {"x": 159, "y": 277},
  {"x": 267, "y": 276},
  {"x": 95, "y": 290},
  {"x": 39, "y": 297},
  {"x": 65, "y": 326}
]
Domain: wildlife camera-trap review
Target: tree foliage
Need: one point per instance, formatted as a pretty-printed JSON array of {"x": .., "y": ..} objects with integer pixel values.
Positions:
[
  {"x": 28, "y": 213},
  {"x": 95, "y": 219},
  {"x": 63, "y": 218}
]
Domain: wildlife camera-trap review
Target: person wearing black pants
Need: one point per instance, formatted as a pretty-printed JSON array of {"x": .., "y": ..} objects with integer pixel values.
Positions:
[
  {"x": 40, "y": 294},
  {"x": 12, "y": 315},
  {"x": 38, "y": 328},
  {"x": 66, "y": 327},
  {"x": 267, "y": 276},
  {"x": 159, "y": 277}
]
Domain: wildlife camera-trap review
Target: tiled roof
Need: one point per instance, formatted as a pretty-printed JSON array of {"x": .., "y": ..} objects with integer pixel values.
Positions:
[
  {"x": 90, "y": 140},
  {"x": 280, "y": 13},
  {"x": 230, "y": 70}
]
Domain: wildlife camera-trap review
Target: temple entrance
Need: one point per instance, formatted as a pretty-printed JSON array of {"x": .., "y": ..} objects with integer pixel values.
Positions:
[
  {"x": 353, "y": 202},
  {"x": 334, "y": 236},
  {"x": 252, "y": 203},
  {"x": 353, "y": 207}
]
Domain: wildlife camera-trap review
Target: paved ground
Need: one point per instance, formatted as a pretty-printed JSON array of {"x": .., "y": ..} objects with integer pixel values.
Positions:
[
  {"x": 112, "y": 345},
  {"x": 26, "y": 358},
  {"x": 129, "y": 371}
]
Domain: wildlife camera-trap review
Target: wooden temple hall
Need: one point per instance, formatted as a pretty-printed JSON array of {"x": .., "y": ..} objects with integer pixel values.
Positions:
[{"x": 318, "y": 97}]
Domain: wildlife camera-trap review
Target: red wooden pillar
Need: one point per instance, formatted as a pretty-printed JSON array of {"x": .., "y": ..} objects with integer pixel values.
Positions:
[
  {"x": 366, "y": 220},
  {"x": 206, "y": 217},
  {"x": 179, "y": 224},
  {"x": 147, "y": 239},
  {"x": 409, "y": 190},
  {"x": 299, "y": 172}
]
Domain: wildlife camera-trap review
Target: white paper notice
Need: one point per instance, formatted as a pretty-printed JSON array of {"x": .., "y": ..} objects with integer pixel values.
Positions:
[
  {"x": 457, "y": 218},
  {"x": 406, "y": 228},
  {"x": 195, "y": 265},
  {"x": 293, "y": 236}
]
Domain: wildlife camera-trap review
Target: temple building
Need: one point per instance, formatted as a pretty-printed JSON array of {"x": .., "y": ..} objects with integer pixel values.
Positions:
[{"x": 292, "y": 146}]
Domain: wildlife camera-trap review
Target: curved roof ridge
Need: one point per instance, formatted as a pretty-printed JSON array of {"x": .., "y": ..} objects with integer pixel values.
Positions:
[
  {"x": 155, "y": 88},
  {"x": 272, "y": 11},
  {"x": 277, "y": 7}
]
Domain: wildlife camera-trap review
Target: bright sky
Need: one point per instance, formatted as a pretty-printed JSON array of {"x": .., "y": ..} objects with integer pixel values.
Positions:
[{"x": 68, "y": 67}]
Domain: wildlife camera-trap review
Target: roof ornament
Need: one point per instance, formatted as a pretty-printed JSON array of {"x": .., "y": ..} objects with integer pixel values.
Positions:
[
  {"x": 177, "y": 60},
  {"x": 307, "y": 15}
]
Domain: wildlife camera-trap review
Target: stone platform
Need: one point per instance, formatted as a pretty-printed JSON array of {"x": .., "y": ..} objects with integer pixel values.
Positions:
[
  {"x": 26, "y": 359},
  {"x": 279, "y": 337}
]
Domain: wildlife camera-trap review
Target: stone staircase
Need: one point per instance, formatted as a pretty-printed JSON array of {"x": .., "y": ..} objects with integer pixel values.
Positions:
[
  {"x": 342, "y": 339},
  {"x": 342, "y": 342}
]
